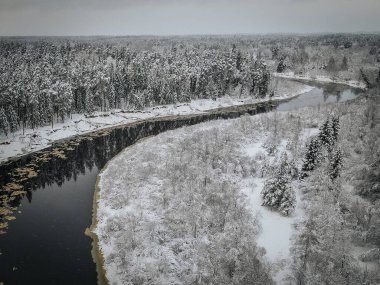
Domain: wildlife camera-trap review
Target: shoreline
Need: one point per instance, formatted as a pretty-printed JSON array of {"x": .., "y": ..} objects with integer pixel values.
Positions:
[
  {"x": 320, "y": 79},
  {"x": 96, "y": 252},
  {"x": 15, "y": 147}
]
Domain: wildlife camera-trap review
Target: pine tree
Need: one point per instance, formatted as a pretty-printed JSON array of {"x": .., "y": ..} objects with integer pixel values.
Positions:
[
  {"x": 313, "y": 156},
  {"x": 336, "y": 162},
  {"x": 238, "y": 60},
  {"x": 4, "y": 124},
  {"x": 12, "y": 119},
  {"x": 331, "y": 66},
  {"x": 275, "y": 50},
  {"x": 277, "y": 192},
  {"x": 335, "y": 127},
  {"x": 112, "y": 96},
  {"x": 324, "y": 132},
  {"x": 281, "y": 66},
  {"x": 344, "y": 65},
  {"x": 89, "y": 106},
  {"x": 328, "y": 132}
]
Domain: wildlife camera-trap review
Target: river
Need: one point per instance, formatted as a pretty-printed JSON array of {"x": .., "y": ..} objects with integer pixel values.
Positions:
[{"x": 46, "y": 243}]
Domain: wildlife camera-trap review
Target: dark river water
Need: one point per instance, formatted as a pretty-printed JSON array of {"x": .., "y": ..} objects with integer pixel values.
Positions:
[{"x": 46, "y": 243}]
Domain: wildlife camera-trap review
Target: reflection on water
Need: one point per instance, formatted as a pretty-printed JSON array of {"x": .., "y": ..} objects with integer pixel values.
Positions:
[
  {"x": 321, "y": 94},
  {"x": 46, "y": 243}
]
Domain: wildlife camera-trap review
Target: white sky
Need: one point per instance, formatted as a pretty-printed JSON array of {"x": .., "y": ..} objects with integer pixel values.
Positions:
[{"x": 168, "y": 17}]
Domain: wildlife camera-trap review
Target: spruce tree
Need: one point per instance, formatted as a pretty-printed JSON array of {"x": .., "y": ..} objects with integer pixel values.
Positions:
[
  {"x": 336, "y": 162},
  {"x": 89, "y": 105},
  {"x": 4, "y": 125},
  {"x": 281, "y": 66},
  {"x": 112, "y": 96},
  {"x": 331, "y": 66},
  {"x": 238, "y": 60},
  {"x": 328, "y": 132},
  {"x": 344, "y": 65},
  {"x": 313, "y": 156},
  {"x": 324, "y": 132},
  {"x": 12, "y": 119},
  {"x": 277, "y": 192},
  {"x": 335, "y": 127}
]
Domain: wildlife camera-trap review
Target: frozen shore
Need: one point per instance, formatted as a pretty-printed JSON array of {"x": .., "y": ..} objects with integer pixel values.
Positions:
[
  {"x": 322, "y": 79},
  {"x": 33, "y": 140}
]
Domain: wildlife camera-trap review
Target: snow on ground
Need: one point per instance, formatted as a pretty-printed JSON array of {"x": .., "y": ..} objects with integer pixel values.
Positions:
[
  {"x": 32, "y": 140},
  {"x": 138, "y": 191},
  {"x": 133, "y": 182},
  {"x": 277, "y": 230},
  {"x": 324, "y": 79}
]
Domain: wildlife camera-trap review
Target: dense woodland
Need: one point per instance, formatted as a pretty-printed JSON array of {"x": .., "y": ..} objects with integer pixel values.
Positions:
[
  {"x": 44, "y": 80},
  {"x": 335, "y": 172}
]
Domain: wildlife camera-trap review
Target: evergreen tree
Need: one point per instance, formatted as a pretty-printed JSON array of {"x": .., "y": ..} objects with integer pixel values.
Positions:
[
  {"x": 281, "y": 66},
  {"x": 12, "y": 119},
  {"x": 335, "y": 127},
  {"x": 329, "y": 131},
  {"x": 4, "y": 124},
  {"x": 112, "y": 96},
  {"x": 336, "y": 162},
  {"x": 238, "y": 60},
  {"x": 344, "y": 65},
  {"x": 331, "y": 66},
  {"x": 277, "y": 192},
  {"x": 275, "y": 51},
  {"x": 313, "y": 156},
  {"x": 89, "y": 106}
]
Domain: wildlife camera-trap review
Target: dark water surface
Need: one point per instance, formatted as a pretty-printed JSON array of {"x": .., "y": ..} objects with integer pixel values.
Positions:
[
  {"x": 46, "y": 243},
  {"x": 322, "y": 94}
]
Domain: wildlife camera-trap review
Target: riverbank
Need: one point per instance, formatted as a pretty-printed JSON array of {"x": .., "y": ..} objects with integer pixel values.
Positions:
[
  {"x": 96, "y": 252},
  {"x": 18, "y": 144},
  {"x": 322, "y": 79}
]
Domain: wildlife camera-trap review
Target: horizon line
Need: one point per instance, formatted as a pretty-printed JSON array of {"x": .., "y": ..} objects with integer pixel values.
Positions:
[{"x": 197, "y": 35}]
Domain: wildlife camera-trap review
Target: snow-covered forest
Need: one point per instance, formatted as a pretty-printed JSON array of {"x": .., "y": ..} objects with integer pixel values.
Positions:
[
  {"x": 288, "y": 197},
  {"x": 45, "y": 80},
  {"x": 284, "y": 190}
]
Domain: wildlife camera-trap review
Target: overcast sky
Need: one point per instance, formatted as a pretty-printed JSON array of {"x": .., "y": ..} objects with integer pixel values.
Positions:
[{"x": 170, "y": 17}]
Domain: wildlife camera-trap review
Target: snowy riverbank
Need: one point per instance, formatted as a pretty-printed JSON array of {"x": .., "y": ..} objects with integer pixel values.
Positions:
[
  {"x": 322, "y": 79},
  {"x": 33, "y": 140}
]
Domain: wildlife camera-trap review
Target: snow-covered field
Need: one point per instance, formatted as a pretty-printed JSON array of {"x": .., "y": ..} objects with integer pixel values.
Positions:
[{"x": 32, "y": 140}]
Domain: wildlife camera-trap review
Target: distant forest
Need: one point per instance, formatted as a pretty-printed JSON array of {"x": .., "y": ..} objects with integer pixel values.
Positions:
[{"x": 44, "y": 80}]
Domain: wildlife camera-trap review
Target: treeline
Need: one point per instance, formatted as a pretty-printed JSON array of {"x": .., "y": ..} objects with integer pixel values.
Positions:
[{"x": 43, "y": 81}]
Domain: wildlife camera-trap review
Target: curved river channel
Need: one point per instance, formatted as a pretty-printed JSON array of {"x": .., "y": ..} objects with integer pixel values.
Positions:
[{"x": 46, "y": 243}]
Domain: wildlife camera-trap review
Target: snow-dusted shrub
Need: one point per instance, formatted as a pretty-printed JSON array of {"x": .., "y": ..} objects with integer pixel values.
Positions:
[{"x": 186, "y": 221}]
